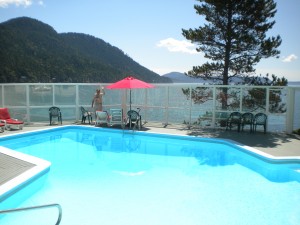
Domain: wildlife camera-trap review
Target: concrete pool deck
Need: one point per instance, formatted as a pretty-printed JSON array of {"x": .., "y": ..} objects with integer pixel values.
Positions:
[{"x": 274, "y": 144}]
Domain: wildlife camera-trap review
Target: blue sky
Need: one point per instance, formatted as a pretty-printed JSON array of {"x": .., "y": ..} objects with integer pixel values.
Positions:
[{"x": 150, "y": 32}]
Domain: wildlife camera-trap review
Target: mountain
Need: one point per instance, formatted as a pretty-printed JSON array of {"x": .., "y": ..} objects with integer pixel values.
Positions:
[
  {"x": 32, "y": 51},
  {"x": 177, "y": 77}
]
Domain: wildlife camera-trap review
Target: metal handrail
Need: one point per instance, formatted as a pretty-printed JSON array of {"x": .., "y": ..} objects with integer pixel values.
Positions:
[{"x": 36, "y": 207}]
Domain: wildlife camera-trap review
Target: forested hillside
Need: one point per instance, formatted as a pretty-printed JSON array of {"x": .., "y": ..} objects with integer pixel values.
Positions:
[{"x": 32, "y": 51}]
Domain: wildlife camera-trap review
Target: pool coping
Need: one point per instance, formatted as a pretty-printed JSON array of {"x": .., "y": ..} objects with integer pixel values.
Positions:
[
  {"x": 262, "y": 153},
  {"x": 12, "y": 185}
]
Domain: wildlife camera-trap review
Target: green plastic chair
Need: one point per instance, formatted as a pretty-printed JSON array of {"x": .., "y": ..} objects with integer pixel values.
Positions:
[
  {"x": 260, "y": 119},
  {"x": 247, "y": 119},
  {"x": 53, "y": 113},
  {"x": 234, "y": 118}
]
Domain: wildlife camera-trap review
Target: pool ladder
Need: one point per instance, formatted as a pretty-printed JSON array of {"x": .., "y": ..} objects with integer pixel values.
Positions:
[{"x": 35, "y": 208}]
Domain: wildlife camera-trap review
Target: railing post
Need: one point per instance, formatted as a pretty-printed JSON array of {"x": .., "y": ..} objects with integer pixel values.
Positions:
[
  {"x": 27, "y": 103},
  {"x": 2, "y": 94},
  {"x": 53, "y": 94},
  {"x": 167, "y": 106},
  {"x": 146, "y": 104},
  {"x": 77, "y": 101},
  {"x": 290, "y": 110},
  {"x": 214, "y": 108},
  {"x": 267, "y": 100},
  {"x": 190, "y": 116},
  {"x": 241, "y": 98}
]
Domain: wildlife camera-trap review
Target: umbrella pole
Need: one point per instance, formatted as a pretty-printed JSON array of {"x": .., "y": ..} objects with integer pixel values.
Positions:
[{"x": 129, "y": 99}]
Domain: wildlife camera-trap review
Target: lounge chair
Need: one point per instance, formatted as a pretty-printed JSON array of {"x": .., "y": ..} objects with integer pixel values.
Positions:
[
  {"x": 85, "y": 114},
  {"x": 116, "y": 117},
  {"x": 2, "y": 126},
  {"x": 102, "y": 117},
  {"x": 234, "y": 119},
  {"x": 55, "y": 112},
  {"x": 260, "y": 119},
  {"x": 134, "y": 118},
  {"x": 247, "y": 119},
  {"x": 9, "y": 123}
]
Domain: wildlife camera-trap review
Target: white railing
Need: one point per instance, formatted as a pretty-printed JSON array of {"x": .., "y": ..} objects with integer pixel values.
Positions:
[{"x": 204, "y": 106}]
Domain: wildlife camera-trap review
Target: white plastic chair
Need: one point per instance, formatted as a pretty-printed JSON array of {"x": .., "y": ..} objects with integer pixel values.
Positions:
[
  {"x": 116, "y": 117},
  {"x": 102, "y": 117}
]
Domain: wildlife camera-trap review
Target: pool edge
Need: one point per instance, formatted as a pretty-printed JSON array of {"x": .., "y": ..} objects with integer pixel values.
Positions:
[{"x": 41, "y": 167}]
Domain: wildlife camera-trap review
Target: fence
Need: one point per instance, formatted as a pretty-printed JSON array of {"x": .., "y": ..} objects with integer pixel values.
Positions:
[{"x": 166, "y": 104}]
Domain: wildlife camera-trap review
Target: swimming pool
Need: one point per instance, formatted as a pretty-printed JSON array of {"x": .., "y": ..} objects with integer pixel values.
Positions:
[{"x": 107, "y": 176}]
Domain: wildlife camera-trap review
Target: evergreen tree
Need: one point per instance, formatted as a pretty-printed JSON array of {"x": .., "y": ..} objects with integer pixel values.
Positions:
[{"x": 234, "y": 38}]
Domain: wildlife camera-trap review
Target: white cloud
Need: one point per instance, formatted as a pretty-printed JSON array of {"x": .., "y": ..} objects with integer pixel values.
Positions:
[
  {"x": 6, "y": 3},
  {"x": 174, "y": 45},
  {"x": 290, "y": 58}
]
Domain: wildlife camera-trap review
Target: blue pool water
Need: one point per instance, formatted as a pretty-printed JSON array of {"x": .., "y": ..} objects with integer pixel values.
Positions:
[{"x": 108, "y": 177}]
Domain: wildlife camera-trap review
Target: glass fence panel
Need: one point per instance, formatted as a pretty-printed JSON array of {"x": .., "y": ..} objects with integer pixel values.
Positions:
[
  {"x": 178, "y": 116},
  {"x": 138, "y": 97},
  {"x": 278, "y": 100},
  {"x": 205, "y": 106},
  {"x": 1, "y": 97},
  {"x": 156, "y": 115},
  {"x": 113, "y": 97},
  {"x": 15, "y": 95},
  {"x": 68, "y": 114},
  {"x": 228, "y": 98},
  {"x": 157, "y": 96},
  {"x": 221, "y": 119},
  {"x": 65, "y": 95},
  {"x": 39, "y": 114},
  {"x": 199, "y": 95},
  {"x": 254, "y": 99},
  {"x": 19, "y": 114},
  {"x": 86, "y": 94},
  {"x": 177, "y": 96},
  {"x": 202, "y": 104},
  {"x": 202, "y": 118},
  {"x": 40, "y": 95},
  {"x": 296, "y": 123},
  {"x": 275, "y": 122}
]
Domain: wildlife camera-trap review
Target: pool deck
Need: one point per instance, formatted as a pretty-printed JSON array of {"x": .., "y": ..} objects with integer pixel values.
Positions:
[
  {"x": 12, "y": 167},
  {"x": 274, "y": 144},
  {"x": 278, "y": 145}
]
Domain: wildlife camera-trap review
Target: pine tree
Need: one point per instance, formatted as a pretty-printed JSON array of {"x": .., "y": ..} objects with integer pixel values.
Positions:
[{"x": 234, "y": 39}]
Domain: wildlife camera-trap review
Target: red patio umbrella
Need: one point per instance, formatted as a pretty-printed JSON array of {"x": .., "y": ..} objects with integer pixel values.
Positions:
[{"x": 129, "y": 83}]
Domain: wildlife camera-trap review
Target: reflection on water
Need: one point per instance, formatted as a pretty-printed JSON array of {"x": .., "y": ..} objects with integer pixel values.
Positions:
[
  {"x": 276, "y": 172},
  {"x": 206, "y": 153},
  {"x": 107, "y": 142},
  {"x": 216, "y": 157}
]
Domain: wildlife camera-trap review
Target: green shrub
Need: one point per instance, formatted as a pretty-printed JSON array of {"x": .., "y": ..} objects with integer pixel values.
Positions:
[{"x": 297, "y": 131}]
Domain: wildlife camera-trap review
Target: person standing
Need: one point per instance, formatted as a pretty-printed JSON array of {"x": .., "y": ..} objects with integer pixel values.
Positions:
[{"x": 97, "y": 100}]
